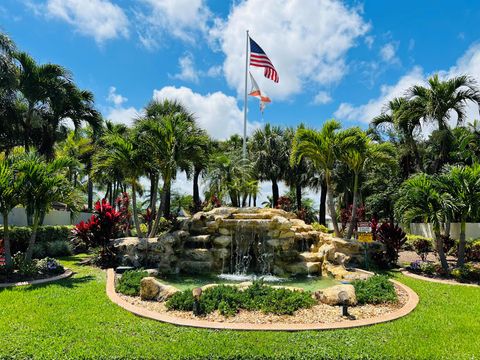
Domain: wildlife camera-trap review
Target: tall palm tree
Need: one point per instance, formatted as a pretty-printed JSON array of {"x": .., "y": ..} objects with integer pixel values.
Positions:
[
  {"x": 123, "y": 153},
  {"x": 438, "y": 101},
  {"x": 42, "y": 184},
  {"x": 463, "y": 184},
  {"x": 404, "y": 117},
  {"x": 320, "y": 148},
  {"x": 421, "y": 197},
  {"x": 271, "y": 154},
  {"x": 357, "y": 151},
  {"x": 10, "y": 197}
]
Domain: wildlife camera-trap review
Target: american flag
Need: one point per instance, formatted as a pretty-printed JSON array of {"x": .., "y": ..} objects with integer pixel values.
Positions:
[{"x": 260, "y": 59}]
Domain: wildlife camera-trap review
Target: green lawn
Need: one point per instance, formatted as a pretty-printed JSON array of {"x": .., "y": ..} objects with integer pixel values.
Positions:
[{"x": 74, "y": 319}]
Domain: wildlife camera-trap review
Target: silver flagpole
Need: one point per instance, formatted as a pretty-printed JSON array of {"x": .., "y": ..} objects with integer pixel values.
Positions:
[{"x": 245, "y": 103}]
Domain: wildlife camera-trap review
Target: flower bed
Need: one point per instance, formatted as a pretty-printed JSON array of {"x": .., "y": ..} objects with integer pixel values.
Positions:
[
  {"x": 468, "y": 273},
  {"x": 24, "y": 271}
]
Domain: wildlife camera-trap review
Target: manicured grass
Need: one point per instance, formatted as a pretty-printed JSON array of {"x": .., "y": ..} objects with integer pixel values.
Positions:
[{"x": 75, "y": 319}]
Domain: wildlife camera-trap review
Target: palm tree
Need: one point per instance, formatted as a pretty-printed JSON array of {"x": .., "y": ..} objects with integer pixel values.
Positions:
[
  {"x": 271, "y": 154},
  {"x": 463, "y": 185},
  {"x": 124, "y": 154},
  {"x": 42, "y": 184},
  {"x": 10, "y": 197},
  {"x": 439, "y": 101},
  {"x": 320, "y": 148},
  {"x": 405, "y": 118},
  {"x": 421, "y": 197},
  {"x": 357, "y": 151},
  {"x": 200, "y": 161}
]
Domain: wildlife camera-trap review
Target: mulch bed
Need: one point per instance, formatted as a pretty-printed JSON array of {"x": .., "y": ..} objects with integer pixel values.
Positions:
[{"x": 318, "y": 314}]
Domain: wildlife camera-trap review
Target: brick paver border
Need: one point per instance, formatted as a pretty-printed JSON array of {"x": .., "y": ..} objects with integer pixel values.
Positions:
[
  {"x": 65, "y": 275},
  {"x": 438, "y": 281},
  {"x": 145, "y": 313}
]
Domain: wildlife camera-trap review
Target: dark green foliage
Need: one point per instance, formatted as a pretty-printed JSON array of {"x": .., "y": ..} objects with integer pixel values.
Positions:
[
  {"x": 422, "y": 247},
  {"x": 467, "y": 273},
  {"x": 472, "y": 250},
  {"x": 27, "y": 268},
  {"x": 49, "y": 266},
  {"x": 393, "y": 238},
  {"x": 375, "y": 290},
  {"x": 20, "y": 235},
  {"x": 54, "y": 249},
  {"x": 228, "y": 300},
  {"x": 129, "y": 283}
]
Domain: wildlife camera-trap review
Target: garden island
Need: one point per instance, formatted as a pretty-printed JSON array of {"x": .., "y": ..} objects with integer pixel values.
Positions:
[{"x": 155, "y": 237}]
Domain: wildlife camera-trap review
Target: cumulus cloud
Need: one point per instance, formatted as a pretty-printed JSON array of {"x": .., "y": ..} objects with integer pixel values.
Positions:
[
  {"x": 322, "y": 97},
  {"x": 216, "y": 112},
  {"x": 187, "y": 69},
  {"x": 468, "y": 63},
  {"x": 115, "y": 98},
  {"x": 100, "y": 19},
  {"x": 306, "y": 41},
  {"x": 180, "y": 18}
]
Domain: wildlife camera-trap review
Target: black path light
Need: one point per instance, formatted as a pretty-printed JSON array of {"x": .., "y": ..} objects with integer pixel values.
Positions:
[
  {"x": 197, "y": 293},
  {"x": 343, "y": 298}
]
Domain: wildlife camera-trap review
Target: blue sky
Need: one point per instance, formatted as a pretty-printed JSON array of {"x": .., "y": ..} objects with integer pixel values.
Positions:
[{"x": 335, "y": 59}]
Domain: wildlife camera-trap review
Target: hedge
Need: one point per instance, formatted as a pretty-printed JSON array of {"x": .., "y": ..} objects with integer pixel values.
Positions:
[{"x": 20, "y": 235}]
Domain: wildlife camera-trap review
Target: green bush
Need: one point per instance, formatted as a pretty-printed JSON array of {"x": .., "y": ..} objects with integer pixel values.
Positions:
[
  {"x": 25, "y": 268},
  {"x": 411, "y": 239},
  {"x": 129, "y": 282},
  {"x": 52, "y": 249},
  {"x": 228, "y": 300},
  {"x": 319, "y": 227},
  {"x": 468, "y": 272},
  {"x": 375, "y": 290},
  {"x": 472, "y": 250},
  {"x": 422, "y": 247},
  {"x": 20, "y": 235}
]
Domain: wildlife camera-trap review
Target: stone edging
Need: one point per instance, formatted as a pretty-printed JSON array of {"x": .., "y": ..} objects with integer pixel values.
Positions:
[
  {"x": 145, "y": 313},
  {"x": 65, "y": 275},
  {"x": 438, "y": 281}
]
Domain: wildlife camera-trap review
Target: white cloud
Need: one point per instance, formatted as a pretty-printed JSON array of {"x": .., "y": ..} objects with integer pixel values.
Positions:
[
  {"x": 322, "y": 97},
  {"x": 216, "y": 112},
  {"x": 369, "y": 40},
  {"x": 100, "y": 19},
  {"x": 388, "y": 53},
  {"x": 122, "y": 115},
  {"x": 180, "y": 18},
  {"x": 115, "y": 98},
  {"x": 306, "y": 41},
  {"x": 214, "y": 71},
  {"x": 468, "y": 64},
  {"x": 368, "y": 111},
  {"x": 187, "y": 69}
]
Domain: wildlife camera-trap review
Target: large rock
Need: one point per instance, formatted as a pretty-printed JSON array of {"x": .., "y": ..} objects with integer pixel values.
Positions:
[
  {"x": 152, "y": 289},
  {"x": 337, "y": 295},
  {"x": 334, "y": 270}
]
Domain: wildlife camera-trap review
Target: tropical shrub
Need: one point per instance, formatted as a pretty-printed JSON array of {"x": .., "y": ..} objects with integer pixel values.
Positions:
[
  {"x": 129, "y": 282},
  {"x": 49, "y": 266},
  {"x": 52, "y": 249},
  {"x": 422, "y": 247},
  {"x": 20, "y": 235},
  {"x": 472, "y": 250},
  {"x": 468, "y": 272},
  {"x": 228, "y": 300},
  {"x": 392, "y": 237},
  {"x": 27, "y": 268},
  {"x": 375, "y": 290},
  {"x": 449, "y": 244}
]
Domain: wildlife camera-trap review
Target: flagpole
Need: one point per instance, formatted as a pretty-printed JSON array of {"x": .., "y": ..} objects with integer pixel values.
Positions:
[{"x": 245, "y": 103}]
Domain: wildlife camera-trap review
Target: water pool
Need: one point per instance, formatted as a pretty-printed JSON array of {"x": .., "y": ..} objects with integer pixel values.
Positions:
[{"x": 309, "y": 283}]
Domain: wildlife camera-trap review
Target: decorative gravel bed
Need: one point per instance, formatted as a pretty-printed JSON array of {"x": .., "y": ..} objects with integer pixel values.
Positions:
[{"x": 318, "y": 314}]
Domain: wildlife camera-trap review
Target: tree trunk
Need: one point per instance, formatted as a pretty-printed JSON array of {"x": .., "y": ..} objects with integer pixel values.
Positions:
[
  {"x": 298, "y": 193},
  {"x": 196, "y": 193},
  {"x": 255, "y": 200},
  {"x": 274, "y": 193},
  {"x": 416, "y": 154},
  {"x": 160, "y": 208},
  {"x": 323, "y": 198},
  {"x": 153, "y": 200},
  {"x": 249, "y": 200},
  {"x": 90, "y": 193},
  {"x": 439, "y": 245},
  {"x": 6, "y": 243},
  {"x": 33, "y": 237},
  {"x": 354, "y": 209},
  {"x": 135, "y": 214},
  {"x": 331, "y": 209},
  {"x": 168, "y": 198},
  {"x": 461, "y": 244}
]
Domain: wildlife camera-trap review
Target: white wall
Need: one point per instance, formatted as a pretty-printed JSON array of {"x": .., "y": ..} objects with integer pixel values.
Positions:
[
  {"x": 472, "y": 230},
  {"x": 18, "y": 217}
]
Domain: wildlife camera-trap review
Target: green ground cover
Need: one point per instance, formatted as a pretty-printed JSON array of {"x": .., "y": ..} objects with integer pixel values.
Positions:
[{"x": 74, "y": 319}]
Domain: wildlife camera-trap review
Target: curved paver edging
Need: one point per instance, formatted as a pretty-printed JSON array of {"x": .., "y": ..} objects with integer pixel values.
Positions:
[
  {"x": 145, "y": 313},
  {"x": 65, "y": 275},
  {"x": 438, "y": 281}
]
